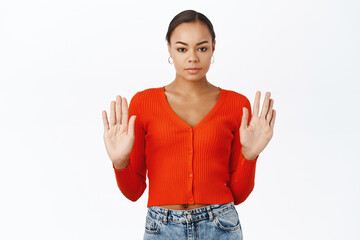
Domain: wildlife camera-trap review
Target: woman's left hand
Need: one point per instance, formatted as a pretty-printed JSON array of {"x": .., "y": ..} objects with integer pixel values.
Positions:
[{"x": 255, "y": 136}]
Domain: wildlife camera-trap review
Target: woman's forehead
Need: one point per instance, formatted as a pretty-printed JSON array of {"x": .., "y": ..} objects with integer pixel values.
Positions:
[{"x": 191, "y": 33}]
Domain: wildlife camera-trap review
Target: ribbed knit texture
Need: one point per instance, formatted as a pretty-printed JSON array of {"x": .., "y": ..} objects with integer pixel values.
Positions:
[{"x": 187, "y": 165}]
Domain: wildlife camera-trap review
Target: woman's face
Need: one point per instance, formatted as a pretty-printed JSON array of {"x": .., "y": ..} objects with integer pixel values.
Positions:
[{"x": 191, "y": 46}]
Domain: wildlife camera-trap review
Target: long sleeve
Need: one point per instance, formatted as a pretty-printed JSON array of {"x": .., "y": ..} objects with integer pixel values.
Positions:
[
  {"x": 241, "y": 170},
  {"x": 132, "y": 179}
]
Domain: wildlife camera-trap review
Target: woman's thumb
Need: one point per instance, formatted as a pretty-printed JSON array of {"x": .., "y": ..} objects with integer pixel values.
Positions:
[
  {"x": 244, "y": 118},
  {"x": 131, "y": 126}
]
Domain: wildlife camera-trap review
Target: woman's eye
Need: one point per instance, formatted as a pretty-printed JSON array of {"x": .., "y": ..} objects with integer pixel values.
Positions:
[{"x": 199, "y": 48}]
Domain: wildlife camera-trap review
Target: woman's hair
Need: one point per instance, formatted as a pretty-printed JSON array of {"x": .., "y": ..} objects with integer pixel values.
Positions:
[{"x": 189, "y": 16}]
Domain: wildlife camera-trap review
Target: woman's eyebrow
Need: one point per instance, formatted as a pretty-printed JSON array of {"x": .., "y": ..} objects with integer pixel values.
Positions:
[{"x": 196, "y": 44}]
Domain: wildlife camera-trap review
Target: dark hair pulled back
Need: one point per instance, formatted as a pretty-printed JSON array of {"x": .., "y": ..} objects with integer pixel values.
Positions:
[{"x": 189, "y": 16}]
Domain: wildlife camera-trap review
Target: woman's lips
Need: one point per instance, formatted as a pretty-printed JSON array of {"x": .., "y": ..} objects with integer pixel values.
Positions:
[{"x": 193, "y": 70}]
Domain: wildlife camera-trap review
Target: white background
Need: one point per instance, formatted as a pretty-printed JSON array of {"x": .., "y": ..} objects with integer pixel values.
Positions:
[{"x": 63, "y": 62}]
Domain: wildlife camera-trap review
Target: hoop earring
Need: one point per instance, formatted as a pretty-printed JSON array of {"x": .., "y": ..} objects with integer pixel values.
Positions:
[
  {"x": 213, "y": 60},
  {"x": 169, "y": 61}
]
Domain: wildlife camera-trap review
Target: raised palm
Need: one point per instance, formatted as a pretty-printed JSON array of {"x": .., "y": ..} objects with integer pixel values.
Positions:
[
  {"x": 119, "y": 136},
  {"x": 255, "y": 136}
]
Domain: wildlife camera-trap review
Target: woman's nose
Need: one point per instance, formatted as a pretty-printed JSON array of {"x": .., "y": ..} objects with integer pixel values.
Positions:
[{"x": 192, "y": 56}]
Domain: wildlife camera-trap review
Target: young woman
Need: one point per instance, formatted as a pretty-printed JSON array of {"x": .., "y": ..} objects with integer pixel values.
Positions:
[{"x": 198, "y": 143}]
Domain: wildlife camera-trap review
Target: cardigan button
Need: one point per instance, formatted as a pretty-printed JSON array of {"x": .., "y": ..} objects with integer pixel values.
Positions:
[{"x": 190, "y": 175}]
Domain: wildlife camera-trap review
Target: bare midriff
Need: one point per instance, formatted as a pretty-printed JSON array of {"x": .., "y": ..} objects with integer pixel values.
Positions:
[{"x": 183, "y": 206}]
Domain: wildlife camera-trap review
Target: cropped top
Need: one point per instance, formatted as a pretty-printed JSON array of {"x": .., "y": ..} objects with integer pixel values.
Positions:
[{"x": 187, "y": 165}]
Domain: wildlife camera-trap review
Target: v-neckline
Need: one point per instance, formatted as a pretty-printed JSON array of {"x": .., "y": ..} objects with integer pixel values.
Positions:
[{"x": 177, "y": 119}]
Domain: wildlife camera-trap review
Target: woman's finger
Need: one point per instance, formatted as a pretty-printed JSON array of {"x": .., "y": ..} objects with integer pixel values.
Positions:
[
  {"x": 112, "y": 114},
  {"x": 125, "y": 113},
  {"x": 272, "y": 122},
  {"x": 256, "y": 104},
  {"x": 269, "y": 113},
  {"x": 118, "y": 109},
  {"x": 105, "y": 121},
  {"x": 265, "y": 106}
]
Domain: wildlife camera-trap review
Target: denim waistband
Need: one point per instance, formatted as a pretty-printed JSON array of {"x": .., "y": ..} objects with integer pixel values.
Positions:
[{"x": 207, "y": 212}]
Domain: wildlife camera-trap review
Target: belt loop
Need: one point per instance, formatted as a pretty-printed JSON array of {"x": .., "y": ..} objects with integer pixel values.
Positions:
[
  {"x": 165, "y": 220},
  {"x": 209, "y": 212}
]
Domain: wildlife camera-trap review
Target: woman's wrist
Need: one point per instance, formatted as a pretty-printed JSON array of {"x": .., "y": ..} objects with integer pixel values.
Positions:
[
  {"x": 249, "y": 156},
  {"x": 121, "y": 165}
]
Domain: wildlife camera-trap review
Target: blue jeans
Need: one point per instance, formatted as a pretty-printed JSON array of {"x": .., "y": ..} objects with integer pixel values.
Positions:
[{"x": 215, "y": 221}]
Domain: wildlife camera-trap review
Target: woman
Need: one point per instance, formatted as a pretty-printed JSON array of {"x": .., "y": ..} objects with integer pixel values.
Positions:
[{"x": 195, "y": 140}]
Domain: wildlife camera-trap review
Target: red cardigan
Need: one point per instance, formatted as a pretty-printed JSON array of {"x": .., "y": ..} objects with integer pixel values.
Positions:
[{"x": 187, "y": 165}]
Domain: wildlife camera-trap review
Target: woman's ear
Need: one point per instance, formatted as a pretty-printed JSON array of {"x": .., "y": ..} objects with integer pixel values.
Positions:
[{"x": 169, "y": 47}]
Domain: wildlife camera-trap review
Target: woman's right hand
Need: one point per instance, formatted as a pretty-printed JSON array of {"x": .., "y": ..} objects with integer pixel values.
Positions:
[{"x": 119, "y": 137}]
